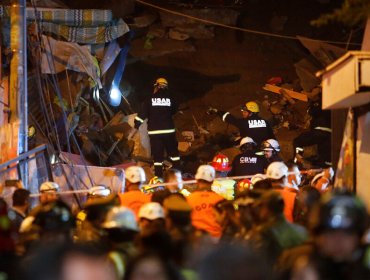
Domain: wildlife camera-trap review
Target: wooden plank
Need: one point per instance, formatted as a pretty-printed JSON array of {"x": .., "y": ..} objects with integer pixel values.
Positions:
[{"x": 291, "y": 93}]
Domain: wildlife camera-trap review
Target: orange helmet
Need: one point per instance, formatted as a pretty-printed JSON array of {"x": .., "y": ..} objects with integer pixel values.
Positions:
[{"x": 221, "y": 163}]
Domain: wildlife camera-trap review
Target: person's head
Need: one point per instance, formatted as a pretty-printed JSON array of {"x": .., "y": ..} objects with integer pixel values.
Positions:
[
  {"x": 247, "y": 144},
  {"x": 250, "y": 108},
  {"x": 270, "y": 205},
  {"x": 151, "y": 266},
  {"x": 120, "y": 224},
  {"x": 160, "y": 84},
  {"x": 151, "y": 218},
  {"x": 21, "y": 198},
  {"x": 221, "y": 164},
  {"x": 270, "y": 148},
  {"x": 177, "y": 212},
  {"x": 338, "y": 223},
  {"x": 54, "y": 222},
  {"x": 48, "y": 192},
  {"x": 173, "y": 176},
  {"x": 294, "y": 176},
  {"x": 135, "y": 177},
  {"x": 224, "y": 212},
  {"x": 205, "y": 176},
  {"x": 277, "y": 172}
]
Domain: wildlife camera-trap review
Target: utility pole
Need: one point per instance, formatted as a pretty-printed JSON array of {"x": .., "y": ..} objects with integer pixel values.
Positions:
[{"x": 18, "y": 78}]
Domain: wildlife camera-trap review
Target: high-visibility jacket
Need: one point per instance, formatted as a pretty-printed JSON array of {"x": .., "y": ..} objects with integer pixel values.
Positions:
[
  {"x": 225, "y": 188},
  {"x": 202, "y": 216},
  {"x": 134, "y": 200},
  {"x": 289, "y": 202}
]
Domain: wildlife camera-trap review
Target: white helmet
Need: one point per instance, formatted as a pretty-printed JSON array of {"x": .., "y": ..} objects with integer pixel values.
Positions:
[
  {"x": 246, "y": 140},
  {"x": 206, "y": 173},
  {"x": 99, "y": 191},
  {"x": 135, "y": 174},
  {"x": 271, "y": 145},
  {"x": 49, "y": 187},
  {"x": 277, "y": 170},
  {"x": 258, "y": 177},
  {"x": 151, "y": 211},
  {"x": 120, "y": 217}
]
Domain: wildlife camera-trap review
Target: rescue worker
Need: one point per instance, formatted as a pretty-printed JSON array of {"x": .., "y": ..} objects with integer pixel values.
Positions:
[
  {"x": 247, "y": 162},
  {"x": 274, "y": 234},
  {"x": 226, "y": 217},
  {"x": 294, "y": 177},
  {"x": 251, "y": 124},
  {"x": 159, "y": 109},
  {"x": 133, "y": 197},
  {"x": 323, "y": 180},
  {"x": 173, "y": 176},
  {"x": 271, "y": 149},
  {"x": 48, "y": 192},
  {"x": 224, "y": 187},
  {"x": 151, "y": 218},
  {"x": 277, "y": 172},
  {"x": 121, "y": 227},
  {"x": 21, "y": 204},
  {"x": 338, "y": 223},
  {"x": 319, "y": 134},
  {"x": 202, "y": 201}
]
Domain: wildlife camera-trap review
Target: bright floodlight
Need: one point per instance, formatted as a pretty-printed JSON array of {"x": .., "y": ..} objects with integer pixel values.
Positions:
[{"x": 115, "y": 96}]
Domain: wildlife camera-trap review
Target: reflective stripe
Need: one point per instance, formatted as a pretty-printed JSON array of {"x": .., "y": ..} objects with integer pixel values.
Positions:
[
  {"x": 327, "y": 129},
  {"x": 328, "y": 163},
  {"x": 139, "y": 119},
  {"x": 164, "y": 131},
  {"x": 298, "y": 149},
  {"x": 158, "y": 163},
  {"x": 119, "y": 263},
  {"x": 175, "y": 158},
  {"x": 225, "y": 115}
]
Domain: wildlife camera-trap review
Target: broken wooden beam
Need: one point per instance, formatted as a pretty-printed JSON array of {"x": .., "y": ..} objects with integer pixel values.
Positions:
[{"x": 293, "y": 94}]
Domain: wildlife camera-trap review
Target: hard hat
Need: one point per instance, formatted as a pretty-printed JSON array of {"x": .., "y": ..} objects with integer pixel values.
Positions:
[
  {"x": 151, "y": 211},
  {"x": 49, "y": 187},
  {"x": 244, "y": 184},
  {"x": 206, "y": 173},
  {"x": 155, "y": 180},
  {"x": 221, "y": 163},
  {"x": 277, "y": 170},
  {"x": 161, "y": 82},
  {"x": 135, "y": 174},
  {"x": 339, "y": 212},
  {"x": 120, "y": 217},
  {"x": 55, "y": 216},
  {"x": 270, "y": 145},
  {"x": 257, "y": 177},
  {"x": 99, "y": 191},
  {"x": 251, "y": 106},
  {"x": 246, "y": 140}
]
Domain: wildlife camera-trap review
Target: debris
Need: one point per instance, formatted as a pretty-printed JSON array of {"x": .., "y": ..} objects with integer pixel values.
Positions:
[
  {"x": 306, "y": 70},
  {"x": 188, "y": 136},
  {"x": 144, "y": 20},
  {"x": 291, "y": 93},
  {"x": 156, "y": 31},
  {"x": 183, "y": 147},
  {"x": 197, "y": 31},
  {"x": 177, "y": 35},
  {"x": 201, "y": 129}
]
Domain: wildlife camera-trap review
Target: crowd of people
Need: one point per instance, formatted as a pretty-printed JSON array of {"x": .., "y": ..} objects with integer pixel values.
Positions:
[
  {"x": 252, "y": 217},
  {"x": 277, "y": 225}
]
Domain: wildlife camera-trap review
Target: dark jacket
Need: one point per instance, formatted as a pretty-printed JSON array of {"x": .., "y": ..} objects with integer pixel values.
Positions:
[
  {"x": 247, "y": 163},
  {"x": 254, "y": 127},
  {"x": 159, "y": 109}
]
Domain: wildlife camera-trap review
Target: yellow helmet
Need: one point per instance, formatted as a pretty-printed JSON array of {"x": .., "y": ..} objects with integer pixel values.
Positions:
[
  {"x": 251, "y": 106},
  {"x": 161, "y": 82}
]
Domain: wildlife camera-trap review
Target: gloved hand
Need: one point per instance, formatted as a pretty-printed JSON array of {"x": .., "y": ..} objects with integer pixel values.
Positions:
[{"x": 212, "y": 111}]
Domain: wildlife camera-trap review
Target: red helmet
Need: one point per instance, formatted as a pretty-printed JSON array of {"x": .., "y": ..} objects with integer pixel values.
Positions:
[
  {"x": 244, "y": 185},
  {"x": 221, "y": 163}
]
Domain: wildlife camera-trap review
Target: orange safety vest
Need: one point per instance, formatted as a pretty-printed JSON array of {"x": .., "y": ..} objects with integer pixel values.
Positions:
[
  {"x": 202, "y": 216},
  {"x": 289, "y": 202},
  {"x": 134, "y": 200}
]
